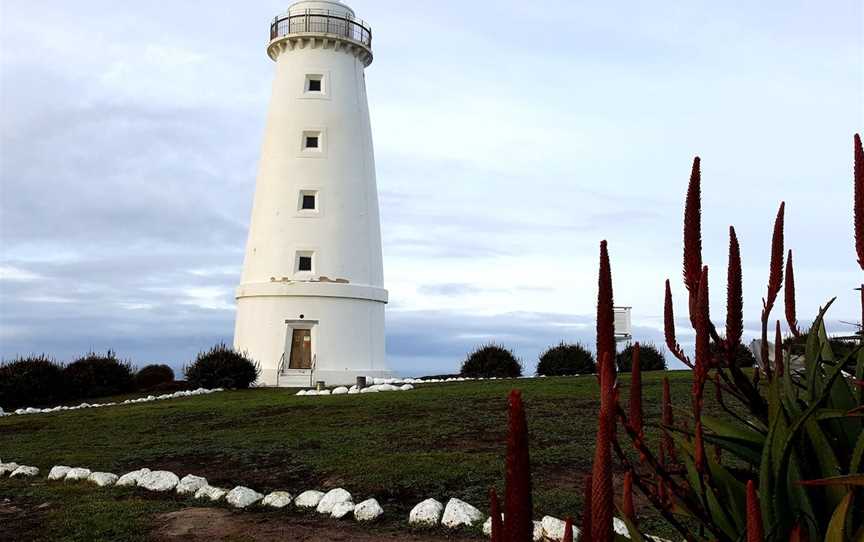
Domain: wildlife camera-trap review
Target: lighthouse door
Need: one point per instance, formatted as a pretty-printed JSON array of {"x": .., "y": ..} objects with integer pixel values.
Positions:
[{"x": 301, "y": 349}]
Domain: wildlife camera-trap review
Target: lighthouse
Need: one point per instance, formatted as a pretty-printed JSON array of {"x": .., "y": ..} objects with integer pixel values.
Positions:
[{"x": 310, "y": 305}]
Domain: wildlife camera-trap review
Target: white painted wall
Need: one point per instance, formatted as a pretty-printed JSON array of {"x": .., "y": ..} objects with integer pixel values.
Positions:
[{"x": 344, "y": 232}]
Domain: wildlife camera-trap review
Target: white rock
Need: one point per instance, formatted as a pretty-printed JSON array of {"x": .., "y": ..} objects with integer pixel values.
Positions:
[
  {"x": 368, "y": 510},
  {"x": 331, "y": 499},
  {"x": 459, "y": 513},
  {"x": 620, "y": 527},
  {"x": 324, "y": 392},
  {"x": 24, "y": 472},
  {"x": 553, "y": 528},
  {"x": 241, "y": 497},
  {"x": 190, "y": 484},
  {"x": 538, "y": 532},
  {"x": 102, "y": 479},
  {"x": 8, "y": 468},
  {"x": 427, "y": 512},
  {"x": 342, "y": 509},
  {"x": 301, "y": 392},
  {"x": 370, "y": 389},
  {"x": 308, "y": 499},
  {"x": 277, "y": 499},
  {"x": 77, "y": 474},
  {"x": 387, "y": 387},
  {"x": 210, "y": 492},
  {"x": 353, "y": 392},
  {"x": 487, "y": 525},
  {"x": 406, "y": 387},
  {"x": 131, "y": 479},
  {"x": 341, "y": 390},
  {"x": 58, "y": 472},
  {"x": 159, "y": 480}
]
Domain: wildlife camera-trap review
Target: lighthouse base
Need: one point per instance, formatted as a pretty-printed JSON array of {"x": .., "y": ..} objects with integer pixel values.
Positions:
[{"x": 300, "y": 336}]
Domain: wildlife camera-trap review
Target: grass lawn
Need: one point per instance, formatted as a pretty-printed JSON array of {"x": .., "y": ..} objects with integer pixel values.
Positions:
[{"x": 439, "y": 440}]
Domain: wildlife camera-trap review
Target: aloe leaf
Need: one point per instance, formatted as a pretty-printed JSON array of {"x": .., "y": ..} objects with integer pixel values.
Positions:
[
  {"x": 836, "y": 526},
  {"x": 813, "y": 351},
  {"x": 842, "y": 480},
  {"x": 728, "y": 430}
]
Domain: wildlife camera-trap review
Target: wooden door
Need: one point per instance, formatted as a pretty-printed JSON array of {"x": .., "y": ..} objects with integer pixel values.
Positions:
[{"x": 301, "y": 349}]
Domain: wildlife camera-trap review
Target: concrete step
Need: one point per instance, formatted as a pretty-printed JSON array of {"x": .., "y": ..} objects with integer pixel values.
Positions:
[{"x": 295, "y": 378}]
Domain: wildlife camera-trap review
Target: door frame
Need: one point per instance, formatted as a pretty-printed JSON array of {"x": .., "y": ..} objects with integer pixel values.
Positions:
[{"x": 291, "y": 325}]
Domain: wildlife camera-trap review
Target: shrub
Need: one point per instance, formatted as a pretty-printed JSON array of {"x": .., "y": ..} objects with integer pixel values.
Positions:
[
  {"x": 222, "y": 367},
  {"x": 743, "y": 355},
  {"x": 96, "y": 375},
  {"x": 152, "y": 376},
  {"x": 491, "y": 360},
  {"x": 651, "y": 358},
  {"x": 566, "y": 359},
  {"x": 35, "y": 381}
]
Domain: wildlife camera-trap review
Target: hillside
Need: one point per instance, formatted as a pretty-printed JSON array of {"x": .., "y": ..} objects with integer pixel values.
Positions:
[{"x": 439, "y": 440}]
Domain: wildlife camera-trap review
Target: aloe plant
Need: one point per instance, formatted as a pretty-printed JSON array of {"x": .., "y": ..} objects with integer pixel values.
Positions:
[{"x": 788, "y": 459}]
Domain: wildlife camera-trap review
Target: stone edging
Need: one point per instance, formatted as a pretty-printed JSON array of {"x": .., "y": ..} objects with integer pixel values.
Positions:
[
  {"x": 336, "y": 503},
  {"x": 148, "y": 399}
]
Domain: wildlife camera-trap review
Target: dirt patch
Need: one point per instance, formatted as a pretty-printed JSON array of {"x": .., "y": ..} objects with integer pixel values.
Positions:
[
  {"x": 204, "y": 524},
  {"x": 21, "y": 520}
]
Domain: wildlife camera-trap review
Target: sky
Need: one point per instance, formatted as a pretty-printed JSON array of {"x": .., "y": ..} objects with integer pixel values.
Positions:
[{"x": 510, "y": 138}]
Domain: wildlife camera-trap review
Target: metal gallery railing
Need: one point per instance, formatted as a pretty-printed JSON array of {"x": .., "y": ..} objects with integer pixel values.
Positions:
[{"x": 319, "y": 21}]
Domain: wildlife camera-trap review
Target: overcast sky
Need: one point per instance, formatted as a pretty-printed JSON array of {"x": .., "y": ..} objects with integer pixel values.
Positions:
[{"x": 511, "y": 137}]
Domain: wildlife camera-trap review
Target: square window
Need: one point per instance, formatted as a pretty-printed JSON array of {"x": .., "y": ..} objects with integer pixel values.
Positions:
[
  {"x": 304, "y": 263},
  {"x": 308, "y": 202},
  {"x": 311, "y": 142},
  {"x": 314, "y": 85}
]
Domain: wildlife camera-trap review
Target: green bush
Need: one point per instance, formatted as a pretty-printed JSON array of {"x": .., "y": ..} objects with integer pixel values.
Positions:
[
  {"x": 491, "y": 360},
  {"x": 566, "y": 359},
  {"x": 743, "y": 358},
  {"x": 96, "y": 375},
  {"x": 153, "y": 376},
  {"x": 651, "y": 358},
  {"x": 35, "y": 381},
  {"x": 222, "y": 367}
]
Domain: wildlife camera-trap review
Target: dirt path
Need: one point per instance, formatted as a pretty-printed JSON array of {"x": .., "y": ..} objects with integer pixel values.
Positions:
[{"x": 205, "y": 524}]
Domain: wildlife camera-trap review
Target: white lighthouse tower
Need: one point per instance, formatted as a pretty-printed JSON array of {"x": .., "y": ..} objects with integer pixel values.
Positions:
[{"x": 310, "y": 305}]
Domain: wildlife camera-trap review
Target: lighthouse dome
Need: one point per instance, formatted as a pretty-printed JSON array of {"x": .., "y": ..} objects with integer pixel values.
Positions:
[{"x": 333, "y": 6}]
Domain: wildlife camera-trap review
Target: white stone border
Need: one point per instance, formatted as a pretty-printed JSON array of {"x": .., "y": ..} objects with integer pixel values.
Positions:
[
  {"x": 399, "y": 384},
  {"x": 336, "y": 503},
  {"x": 148, "y": 399}
]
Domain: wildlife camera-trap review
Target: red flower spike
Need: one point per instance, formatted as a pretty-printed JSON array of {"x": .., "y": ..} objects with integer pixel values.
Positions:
[
  {"x": 495, "y": 514},
  {"x": 627, "y": 507},
  {"x": 858, "y": 212},
  {"x": 703, "y": 338},
  {"x": 602, "y": 502},
  {"x": 605, "y": 322},
  {"x": 778, "y": 351},
  {"x": 586, "y": 509},
  {"x": 668, "y": 421},
  {"x": 754, "y": 515},
  {"x": 518, "y": 509},
  {"x": 734, "y": 299},
  {"x": 568, "y": 530},
  {"x": 693, "y": 234},
  {"x": 789, "y": 297},
  {"x": 775, "y": 282},
  {"x": 699, "y": 447},
  {"x": 775, "y": 277},
  {"x": 669, "y": 328},
  {"x": 661, "y": 484},
  {"x": 797, "y": 534}
]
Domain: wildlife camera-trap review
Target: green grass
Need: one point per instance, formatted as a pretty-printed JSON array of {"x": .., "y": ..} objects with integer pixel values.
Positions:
[{"x": 440, "y": 440}]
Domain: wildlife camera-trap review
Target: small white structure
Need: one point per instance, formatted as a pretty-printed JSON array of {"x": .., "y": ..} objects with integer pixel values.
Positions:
[
  {"x": 310, "y": 305},
  {"x": 623, "y": 323}
]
